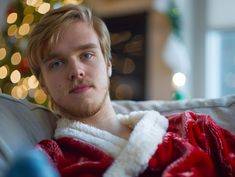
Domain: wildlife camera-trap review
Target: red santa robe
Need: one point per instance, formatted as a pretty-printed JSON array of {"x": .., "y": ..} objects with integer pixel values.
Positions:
[{"x": 186, "y": 144}]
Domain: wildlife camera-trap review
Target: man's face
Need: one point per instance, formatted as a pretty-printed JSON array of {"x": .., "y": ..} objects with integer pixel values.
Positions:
[{"x": 75, "y": 74}]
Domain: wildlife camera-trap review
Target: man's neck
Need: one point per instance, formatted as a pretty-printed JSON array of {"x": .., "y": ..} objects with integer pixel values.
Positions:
[{"x": 105, "y": 119}]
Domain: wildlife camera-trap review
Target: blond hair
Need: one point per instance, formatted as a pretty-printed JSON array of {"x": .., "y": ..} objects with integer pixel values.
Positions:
[{"x": 47, "y": 32}]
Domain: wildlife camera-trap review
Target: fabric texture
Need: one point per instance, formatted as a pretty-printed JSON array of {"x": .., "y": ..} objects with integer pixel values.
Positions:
[
  {"x": 23, "y": 124},
  {"x": 182, "y": 144}
]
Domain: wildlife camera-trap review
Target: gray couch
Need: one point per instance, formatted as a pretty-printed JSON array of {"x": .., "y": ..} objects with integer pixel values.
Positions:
[{"x": 23, "y": 124}]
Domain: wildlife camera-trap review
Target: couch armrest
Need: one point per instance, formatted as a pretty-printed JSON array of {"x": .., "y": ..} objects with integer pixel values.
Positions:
[{"x": 22, "y": 124}]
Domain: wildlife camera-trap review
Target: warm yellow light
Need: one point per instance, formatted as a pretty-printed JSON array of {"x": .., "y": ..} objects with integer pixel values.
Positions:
[
  {"x": 14, "y": 92},
  {"x": 12, "y": 17},
  {"x": 28, "y": 19},
  {"x": 28, "y": 10},
  {"x": 19, "y": 92},
  {"x": 15, "y": 76},
  {"x": 25, "y": 82},
  {"x": 16, "y": 58},
  {"x": 3, "y": 72},
  {"x": 3, "y": 53},
  {"x": 33, "y": 82},
  {"x": 24, "y": 29},
  {"x": 31, "y": 2},
  {"x": 124, "y": 91},
  {"x": 40, "y": 97},
  {"x": 73, "y": 1},
  {"x": 129, "y": 66},
  {"x": 12, "y": 30},
  {"x": 24, "y": 92},
  {"x": 44, "y": 8},
  {"x": 179, "y": 79},
  {"x": 39, "y": 2}
]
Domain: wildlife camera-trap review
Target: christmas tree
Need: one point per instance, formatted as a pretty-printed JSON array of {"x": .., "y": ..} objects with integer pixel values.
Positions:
[{"x": 15, "y": 76}]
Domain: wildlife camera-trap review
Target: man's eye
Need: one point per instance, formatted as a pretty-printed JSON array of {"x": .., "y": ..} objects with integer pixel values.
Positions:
[
  {"x": 86, "y": 56},
  {"x": 55, "y": 64}
]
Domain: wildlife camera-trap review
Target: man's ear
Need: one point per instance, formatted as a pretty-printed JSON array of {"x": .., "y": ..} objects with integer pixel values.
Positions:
[
  {"x": 109, "y": 65},
  {"x": 42, "y": 84}
]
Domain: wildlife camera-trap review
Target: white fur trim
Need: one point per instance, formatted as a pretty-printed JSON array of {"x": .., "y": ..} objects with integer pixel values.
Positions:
[
  {"x": 104, "y": 140},
  {"x": 142, "y": 144},
  {"x": 131, "y": 158}
]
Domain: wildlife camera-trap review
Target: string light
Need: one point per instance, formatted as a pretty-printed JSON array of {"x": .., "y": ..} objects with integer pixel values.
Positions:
[
  {"x": 124, "y": 91},
  {"x": 3, "y": 53},
  {"x": 39, "y": 96},
  {"x": 39, "y": 2},
  {"x": 179, "y": 79},
  {"x": 3, "y": 72},
  {"x": 73, "y": 1},
  {"x": 16, "y": 58},
  {"x": 24, "y": 29},
  {"x": 28, "y": 19},
  {"x": 33, "y": 82},
  {"x": 44, "y": 8},
  {"x": 31, "y": 2},
  {"x": 129, "y": 66},
  {"x": 19, "y": 92},
  {"x": 12, "y": 18},
  {"x": 15, "y": 76},
  {"x": 12, "y": 30},
  {"x": 28, "y": 10}
]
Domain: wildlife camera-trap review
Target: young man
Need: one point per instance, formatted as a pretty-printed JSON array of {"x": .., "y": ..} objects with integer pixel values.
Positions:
[{"x": 69, "y": 53}]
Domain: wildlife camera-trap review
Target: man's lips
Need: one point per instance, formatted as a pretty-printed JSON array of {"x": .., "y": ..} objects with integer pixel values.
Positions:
[{"x": 80, "y": 88}]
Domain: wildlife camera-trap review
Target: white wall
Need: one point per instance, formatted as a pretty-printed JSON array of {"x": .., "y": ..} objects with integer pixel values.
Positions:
[{"x": 221, "y": 14}]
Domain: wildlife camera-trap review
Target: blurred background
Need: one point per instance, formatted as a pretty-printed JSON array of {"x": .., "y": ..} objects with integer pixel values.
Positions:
[{"x": 162, "y": 49}]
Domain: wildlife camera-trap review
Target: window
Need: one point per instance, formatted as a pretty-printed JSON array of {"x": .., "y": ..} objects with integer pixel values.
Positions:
[{"x": 220, "y": 63}]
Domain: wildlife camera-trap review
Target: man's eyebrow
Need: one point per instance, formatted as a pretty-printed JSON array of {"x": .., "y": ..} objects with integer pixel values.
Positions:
[
  {"x": 87, "y": 46},
  {"x": 81, "y": 47},
  {"x": 49, "y": 57}
]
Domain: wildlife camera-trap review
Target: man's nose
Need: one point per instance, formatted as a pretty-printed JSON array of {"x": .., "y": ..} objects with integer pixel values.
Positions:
[{"x": 76, "y": 70}]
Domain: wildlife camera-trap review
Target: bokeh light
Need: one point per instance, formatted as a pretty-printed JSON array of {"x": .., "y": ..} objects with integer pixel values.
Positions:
[
  {"x": 40, "y": 97},
  {"x": 179, "y": 79},
  {"x": 31, "y": 2},
  {"x": 33, "y": 82},
  {"x": 24, "y": 29},
  {"x": 124, "y": 91},
  {"x": 15, "y": 76},
  {"x": 44, "y": 8},
  {"x": 16, "y": 58},
  {"x": 12, "y": 30},
  {"x": 11, "y": 18},
  {"x": 3, "y": 72},
  {"x": 129, "y": 66},
  {"x": 19, "y": 92},
  {"x": 3, "y": 53},
  {"x": 28, "y": 19}
]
